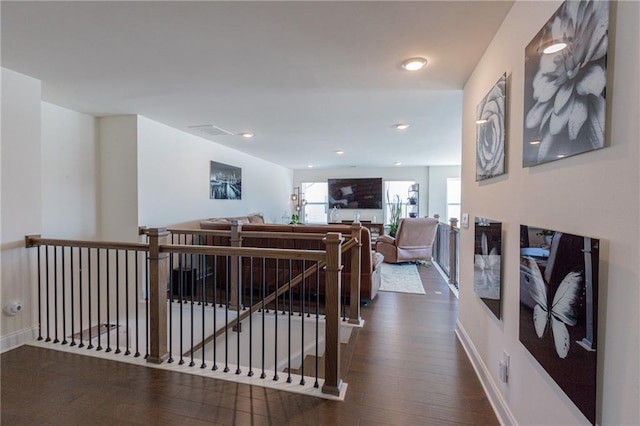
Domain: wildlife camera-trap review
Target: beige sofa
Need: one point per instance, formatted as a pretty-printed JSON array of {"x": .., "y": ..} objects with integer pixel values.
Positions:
[{"x": 252, "y": 218}]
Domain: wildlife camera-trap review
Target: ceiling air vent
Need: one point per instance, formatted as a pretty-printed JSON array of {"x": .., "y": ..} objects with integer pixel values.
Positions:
[{"x": 210, "y": 130}]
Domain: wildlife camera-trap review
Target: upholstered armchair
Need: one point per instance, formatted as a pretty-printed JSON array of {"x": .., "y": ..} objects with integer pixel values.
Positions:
[{"x": 413, "y": 241}]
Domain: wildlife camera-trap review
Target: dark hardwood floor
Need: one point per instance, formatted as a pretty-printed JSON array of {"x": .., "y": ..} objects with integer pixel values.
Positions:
[{"x": 406, "y": 368}]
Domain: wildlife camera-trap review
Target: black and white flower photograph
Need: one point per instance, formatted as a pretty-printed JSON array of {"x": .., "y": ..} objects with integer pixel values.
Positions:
[
  {"x": 490, "y": 132},
  {"x": 487, "y": 263},
  {"x": 565, "y": 83}
]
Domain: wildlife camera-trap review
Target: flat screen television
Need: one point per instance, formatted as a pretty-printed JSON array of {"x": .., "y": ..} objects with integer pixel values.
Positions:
[{"x": 355, "y": 193}]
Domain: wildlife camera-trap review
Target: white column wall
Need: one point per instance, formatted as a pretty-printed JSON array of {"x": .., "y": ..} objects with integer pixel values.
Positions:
[
  {"x": 118, "y": 189},
  {"x": 595, "y": 194},
  {"x": 69, "y": 173},
  {"x": 21, "y": 201}
]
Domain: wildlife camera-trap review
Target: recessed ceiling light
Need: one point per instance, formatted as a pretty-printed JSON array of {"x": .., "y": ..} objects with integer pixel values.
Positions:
[
  {"x": 481, "y": 121},
  {"x": 339, "y": 152},
  {"x": 402, "y": 126},
  {"x": 310, "y": 166},
  {"x": 534, "y": 143},
  {"x": 246, "y": 135},
  {"x": 397, "y": 163},
  {"x": 561, "y": 156},
  {"x": 414, "y": 64},
  {"x": 555, "y": 47}
]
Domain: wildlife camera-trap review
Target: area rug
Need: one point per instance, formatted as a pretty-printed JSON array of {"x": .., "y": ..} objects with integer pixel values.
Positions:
[{"x": 401, "y": 278}]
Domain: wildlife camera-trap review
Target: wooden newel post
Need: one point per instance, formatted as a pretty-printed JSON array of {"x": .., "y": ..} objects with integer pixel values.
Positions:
[
  {"x": 356, "y": 265},
  {"x": 332, "y": 379},
  {"x": 235, "y": 299},
  {"x": 158, "y": 279},
  {"x": 453, "y": 223}
]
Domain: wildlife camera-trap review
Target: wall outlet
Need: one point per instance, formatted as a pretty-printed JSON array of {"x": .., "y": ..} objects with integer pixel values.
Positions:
[
  {"x": 504, "y": 367},
  {"x": 13, "y": 308}
]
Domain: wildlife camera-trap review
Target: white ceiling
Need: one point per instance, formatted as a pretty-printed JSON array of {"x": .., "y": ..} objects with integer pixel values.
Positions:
[{"x": 308, "y": 78}]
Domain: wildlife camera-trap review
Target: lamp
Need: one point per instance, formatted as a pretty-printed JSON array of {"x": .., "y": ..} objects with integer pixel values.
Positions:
[{"x": 298, "y": 199}]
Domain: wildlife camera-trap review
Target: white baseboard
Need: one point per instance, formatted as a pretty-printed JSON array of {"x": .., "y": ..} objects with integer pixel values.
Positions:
[
  {"x": 500, "y": 407},
  {"x": 18, "y": 338}
]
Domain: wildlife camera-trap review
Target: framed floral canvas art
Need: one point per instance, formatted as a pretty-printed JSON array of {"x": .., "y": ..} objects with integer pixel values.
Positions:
[
  {"x": 487, "y": 264},
  {"x": 565, "y": 83},
  {"x": 490, "y": 132}
]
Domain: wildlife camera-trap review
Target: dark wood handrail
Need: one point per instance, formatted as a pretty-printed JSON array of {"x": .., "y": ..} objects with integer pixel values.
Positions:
[
  {"x": 250, "y": 234},
  {"x": 36, "y": 241},
  {"x": 206, "y": 232},
  {"x": 349, "y": 245},
  {"x": 271, "y": 253},
  {"x": 282, "y": 235}
]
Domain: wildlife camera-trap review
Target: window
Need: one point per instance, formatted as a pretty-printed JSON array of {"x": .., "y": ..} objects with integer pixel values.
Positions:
[
  {"x": 316, "y": 195},
  {"x": 453, "y": 198},
  {"x": 393, "y": 188}
]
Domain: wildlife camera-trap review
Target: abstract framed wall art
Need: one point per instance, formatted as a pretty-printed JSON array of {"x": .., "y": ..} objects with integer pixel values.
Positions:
[
  {"x": 487, "y": 265},
  {"x": 565, "y": 83},
  {"x": 225, "y": 182},
  {"x": 490, "y": 132},
  {"x": 559, "y": 309}
]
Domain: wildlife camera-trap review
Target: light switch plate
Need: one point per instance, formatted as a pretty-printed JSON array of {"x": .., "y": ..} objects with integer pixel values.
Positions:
[{"x": 465, "y": 220}]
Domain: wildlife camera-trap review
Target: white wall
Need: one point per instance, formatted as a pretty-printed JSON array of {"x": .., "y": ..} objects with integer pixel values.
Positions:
[
  {"x": 155, "y": 175},
  {"x": 595, "y": 194},
  {"x": 118, "y": 171},
  {"x": 69, "y": 173},
  {"x": 21, "y": 200},
  {"x": 173, "y": 179},
  {"x": 418, "y": 174},
  {"x": 438, "y": 176}
]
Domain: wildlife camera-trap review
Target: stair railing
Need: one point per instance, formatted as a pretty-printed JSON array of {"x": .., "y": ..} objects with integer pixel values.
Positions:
[
  {"x": 447, "y": 249},
  {"x": 84, "y": 286},
  {"x": 352, "y": 245}
]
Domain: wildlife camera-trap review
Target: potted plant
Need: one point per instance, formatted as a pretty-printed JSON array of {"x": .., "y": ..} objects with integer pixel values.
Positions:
[
  {"x": 395, "y": 209},
  {"x": 412, "y": 200},
  {"x": 295, "y": 220}
]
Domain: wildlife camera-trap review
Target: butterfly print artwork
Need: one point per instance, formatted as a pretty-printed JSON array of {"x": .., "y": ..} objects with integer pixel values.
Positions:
[{"x": 562, "y": 311}]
